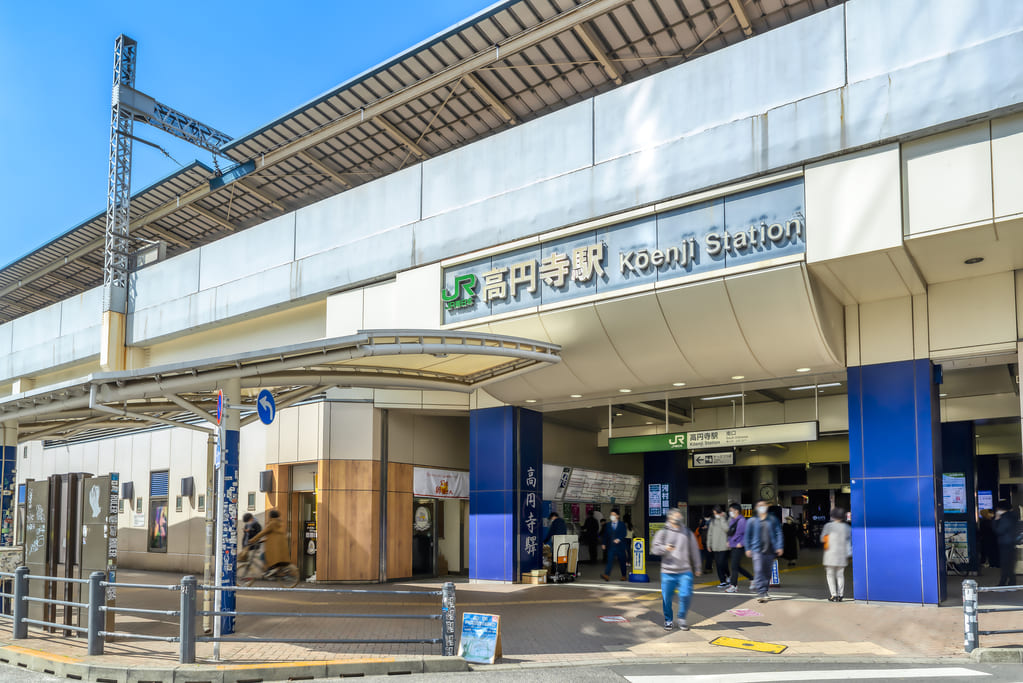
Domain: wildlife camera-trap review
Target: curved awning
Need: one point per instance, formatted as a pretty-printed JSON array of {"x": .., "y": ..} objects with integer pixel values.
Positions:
[{"x": 184, "y": 394}]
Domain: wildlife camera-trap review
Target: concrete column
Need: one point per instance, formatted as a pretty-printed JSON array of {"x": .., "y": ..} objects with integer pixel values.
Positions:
[
  {"x": 505, "y": 488},
  {"x": 230, "y": 431},
  {"x": 895, "y": 468},
  {"x": 112, "y": 354},
  {"x": 8, "y": 487}
]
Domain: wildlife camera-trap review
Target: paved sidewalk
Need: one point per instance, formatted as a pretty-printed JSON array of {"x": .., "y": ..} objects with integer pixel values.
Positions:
[{"x": 559, "y": 624}]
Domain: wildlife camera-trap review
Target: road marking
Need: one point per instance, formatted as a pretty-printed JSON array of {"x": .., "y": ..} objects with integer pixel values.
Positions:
[
  {"x": 828, "y": 675},
  {"x": 752, "y": 645}
]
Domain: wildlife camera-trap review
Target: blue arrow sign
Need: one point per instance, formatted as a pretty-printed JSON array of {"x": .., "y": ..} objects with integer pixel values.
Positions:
[{"x": 266, "y": 407}]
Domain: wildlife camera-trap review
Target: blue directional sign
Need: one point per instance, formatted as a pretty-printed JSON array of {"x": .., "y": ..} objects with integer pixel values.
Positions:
[
  {"x": 220, "y": 406},
  {"x": 266, "y": 407}
]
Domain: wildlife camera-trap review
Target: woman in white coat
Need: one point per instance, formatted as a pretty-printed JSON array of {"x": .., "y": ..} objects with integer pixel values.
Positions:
[{"x": 835, "y": 538}]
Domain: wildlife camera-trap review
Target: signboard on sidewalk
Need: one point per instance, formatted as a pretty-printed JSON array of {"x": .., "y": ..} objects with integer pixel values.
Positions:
[{"x": 481, "y": 638}]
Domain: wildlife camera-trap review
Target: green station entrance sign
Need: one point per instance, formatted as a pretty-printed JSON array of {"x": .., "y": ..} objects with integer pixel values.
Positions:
[{"x": 714, "y": 438}]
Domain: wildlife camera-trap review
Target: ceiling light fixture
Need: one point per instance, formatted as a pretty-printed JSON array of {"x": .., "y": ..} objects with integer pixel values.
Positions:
[
  {"x": 678, "y": 384},
  {"x": 625, "y": 391},
  {"x": 819, "y": 386},
  {"x": 576, "y": 396},
  {"x": 738, "y": 376},
  {"x": 649, "y": 423},
  {"x": 973, "y": 260},
  {"x": 530, "y": 400},
  {"x": 942, "y": 395},
  {"x": 619, "y": 414},
  {"x": 724, "y": 396},
  {"x": 802, "y": 369}
]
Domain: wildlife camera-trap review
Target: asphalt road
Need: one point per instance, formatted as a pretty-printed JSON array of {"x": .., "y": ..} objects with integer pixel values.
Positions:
[{"x": 746, "y": 672}]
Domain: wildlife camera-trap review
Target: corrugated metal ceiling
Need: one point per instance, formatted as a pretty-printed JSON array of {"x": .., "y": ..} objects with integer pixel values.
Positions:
[{"x": 426, "y": 101}]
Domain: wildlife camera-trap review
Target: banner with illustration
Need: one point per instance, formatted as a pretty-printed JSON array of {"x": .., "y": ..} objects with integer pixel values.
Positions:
[{"x": 431, "y": 483}]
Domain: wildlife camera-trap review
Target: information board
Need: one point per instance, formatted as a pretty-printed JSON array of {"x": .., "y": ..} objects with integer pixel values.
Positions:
[
  {"x": 657, "y": 500},
  {"x": 601, "y": 487},
  {"x": 953, "y": 490},
  {"x": 481, "y": 638},
  {"x": 985, "y": 500}
]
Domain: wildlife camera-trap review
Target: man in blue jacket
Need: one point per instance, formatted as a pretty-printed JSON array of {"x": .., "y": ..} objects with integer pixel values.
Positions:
[
  {"x": 615, "y": 541},
  {"x": 763, "y": 543},
  {"x": 556, "y": 527}
]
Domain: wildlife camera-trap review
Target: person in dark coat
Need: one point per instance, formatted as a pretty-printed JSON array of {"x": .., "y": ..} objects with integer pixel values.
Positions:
[
  {"x": 790, "y": 536},
  {"x": 555, "y": 528},
  {"x": 1005, "y": 533},
  {"x": 590, "y": 535},
  {"x": 615, "y": 541},
  {"x": 986, "y": 539}
]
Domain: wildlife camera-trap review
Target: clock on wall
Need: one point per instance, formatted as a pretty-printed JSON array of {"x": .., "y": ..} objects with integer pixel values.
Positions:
[{"x": 767, "y": 492}]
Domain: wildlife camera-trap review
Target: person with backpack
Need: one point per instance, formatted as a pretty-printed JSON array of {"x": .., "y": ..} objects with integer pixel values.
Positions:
[{"x": 680, "y": 560}]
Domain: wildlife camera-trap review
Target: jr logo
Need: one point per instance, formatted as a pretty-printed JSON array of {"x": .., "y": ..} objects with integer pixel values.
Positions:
[
  {"x": 464, "y": 294},
  {"x": 677, "y": 441}
]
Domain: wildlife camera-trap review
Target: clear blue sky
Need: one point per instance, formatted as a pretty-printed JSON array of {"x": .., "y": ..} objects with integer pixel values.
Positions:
[{"x": 232, "y": 65}]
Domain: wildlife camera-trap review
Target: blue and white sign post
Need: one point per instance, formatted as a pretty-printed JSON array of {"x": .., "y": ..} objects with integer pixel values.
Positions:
[
  {"x": 266, "y": 407},
  {"x": 226, "y": 463}
]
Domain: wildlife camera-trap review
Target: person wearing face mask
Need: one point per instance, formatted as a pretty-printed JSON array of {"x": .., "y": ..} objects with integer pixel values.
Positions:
[
  {"x": 764, "y": 542},
  {"x": 1005, "y": 534},
  {"x": 717, "y": 543},
  {"x": 680, "y": 560},
  {"x": 736, "y": 540},
  {"x": 615, "y": 541},
  {"x": 835, "y": 538}
]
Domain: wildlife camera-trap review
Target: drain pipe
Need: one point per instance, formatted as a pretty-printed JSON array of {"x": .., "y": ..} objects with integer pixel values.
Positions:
[{"x": 382, "y": 540}]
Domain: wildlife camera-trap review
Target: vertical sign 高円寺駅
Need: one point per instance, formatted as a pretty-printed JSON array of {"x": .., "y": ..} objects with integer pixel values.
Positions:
[{"x": 531, "y": 524}]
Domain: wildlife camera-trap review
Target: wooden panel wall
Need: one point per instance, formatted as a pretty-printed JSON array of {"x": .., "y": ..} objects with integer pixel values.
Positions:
[
  {"x": 399, "y": 520},
  {"x": 349, "y": 515}
]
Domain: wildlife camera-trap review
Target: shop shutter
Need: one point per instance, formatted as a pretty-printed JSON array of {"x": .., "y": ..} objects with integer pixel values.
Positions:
[{"x": 158, "y": 484}]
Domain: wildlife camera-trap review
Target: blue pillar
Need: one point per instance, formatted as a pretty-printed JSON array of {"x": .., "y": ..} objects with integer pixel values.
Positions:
[
  {"x": 894, "y": 465},
  {"x": 505, "y": 475},
  {"x": 957, "y": 447},
  {"x": 8, "y": 463},
  {"x": 229, "y": 528}
]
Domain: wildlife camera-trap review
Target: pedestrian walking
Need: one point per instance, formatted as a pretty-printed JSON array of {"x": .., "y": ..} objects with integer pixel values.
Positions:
[
  {"x": 1005, "y": 533},
  {"x": 736, "y": 540},
  {"x": 790, "y": 535},
  {"x": 835, "y": 538},
  {"x": 680, "y": 560},
  {"x": 764, "y": 543},
  {"x": 717, "y": 543},
  {"x": 616, "y": 543}
]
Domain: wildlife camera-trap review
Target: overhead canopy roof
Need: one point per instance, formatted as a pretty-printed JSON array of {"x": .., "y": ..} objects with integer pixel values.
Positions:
[
  {"x": 184, "y": 394},
  {"x": 515, "y": 61}
]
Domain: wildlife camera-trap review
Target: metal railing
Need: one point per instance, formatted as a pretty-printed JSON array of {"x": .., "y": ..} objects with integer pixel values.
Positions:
[
  {"x": 971, "y": 608},
  {"x": 186, "y": 614}
]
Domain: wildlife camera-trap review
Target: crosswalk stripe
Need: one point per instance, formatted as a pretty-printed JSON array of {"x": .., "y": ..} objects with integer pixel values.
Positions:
[{"x": 825, "y": 675}]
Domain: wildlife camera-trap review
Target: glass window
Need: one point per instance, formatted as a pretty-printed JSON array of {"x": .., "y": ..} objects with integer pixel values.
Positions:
[{"x": 159, "y": 511}]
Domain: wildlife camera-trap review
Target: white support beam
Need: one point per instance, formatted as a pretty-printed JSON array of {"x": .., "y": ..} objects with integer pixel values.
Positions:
[
  {"x": 490, "y": 98},
  {"x": 515, "y": 44},
  {"x": 209, "y": 215},
  {"x": 400, "y": 137},
  {"x": 192, "y": 408},
  {"x": 741, "y": 16},
  {"x": 590, "y": 41},
  {"x": 166, "y": 236},
  {"x": 323, "y": 168},
  {"x": 262, "y": 195}
]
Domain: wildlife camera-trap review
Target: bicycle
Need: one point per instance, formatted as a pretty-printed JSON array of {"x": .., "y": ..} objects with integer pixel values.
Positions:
[
  {"x": 251, "y": 566},
  {"x": 956, "y": 563}
]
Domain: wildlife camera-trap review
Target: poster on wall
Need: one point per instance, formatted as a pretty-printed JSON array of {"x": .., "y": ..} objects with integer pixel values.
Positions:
[
  {"x": 953, "y": 492},
  {"x": 955, "y": 536},
  {"x": 433, "y": 483},
  {"x": 654, "y": 500},
  {"x": 985, "y": 500},
  {"x": 575, "y": 512}
]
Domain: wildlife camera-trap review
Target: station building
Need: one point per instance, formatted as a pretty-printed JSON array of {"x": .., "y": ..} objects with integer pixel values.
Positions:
[{"x": 579, "y": 256}]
